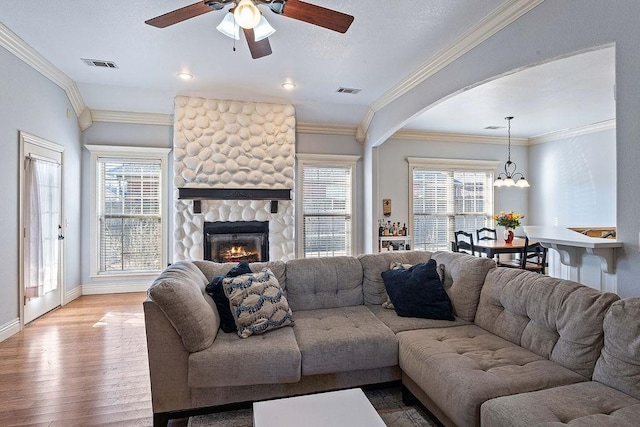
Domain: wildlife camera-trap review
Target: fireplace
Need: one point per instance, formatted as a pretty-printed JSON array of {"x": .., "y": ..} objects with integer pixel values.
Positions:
[{"x": 235, "y": 241}]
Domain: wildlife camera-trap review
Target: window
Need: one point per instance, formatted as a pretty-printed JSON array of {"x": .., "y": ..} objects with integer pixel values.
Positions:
[
  {"x": 127, "y": 213},
  {"x": 449, "y": 195},
  {"x": 326, "y": 205}
]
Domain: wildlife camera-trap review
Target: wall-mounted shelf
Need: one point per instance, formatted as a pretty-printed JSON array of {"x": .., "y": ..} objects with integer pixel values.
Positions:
[{"x": 401, "y": 241}]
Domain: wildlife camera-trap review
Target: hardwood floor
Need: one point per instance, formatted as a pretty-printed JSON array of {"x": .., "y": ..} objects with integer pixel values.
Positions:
[{"x": 84, "y": 364}]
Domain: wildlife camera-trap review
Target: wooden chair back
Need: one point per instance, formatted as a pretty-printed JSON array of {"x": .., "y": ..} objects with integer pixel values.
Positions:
[
  {"x": 485, "y": 233},
  {"x": 464, "y": 242}
]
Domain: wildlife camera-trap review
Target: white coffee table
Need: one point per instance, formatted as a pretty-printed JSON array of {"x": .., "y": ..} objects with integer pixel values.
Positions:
[{"x": 344, "y": 408}]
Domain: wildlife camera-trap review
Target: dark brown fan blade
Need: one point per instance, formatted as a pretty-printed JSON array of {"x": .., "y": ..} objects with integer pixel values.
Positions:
[
  {"x": 258, "y": 49},
  {"x": 317, "y": 15},
  {"x": 179, "y": 15}
]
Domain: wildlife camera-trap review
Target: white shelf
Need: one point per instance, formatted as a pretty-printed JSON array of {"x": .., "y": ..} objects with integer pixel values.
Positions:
[{"x": 389, "y": 239}]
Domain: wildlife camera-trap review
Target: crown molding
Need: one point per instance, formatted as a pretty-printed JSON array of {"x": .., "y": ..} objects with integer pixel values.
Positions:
[
  {"x": 457, "y": 137},
  {"x": 504, "y": 15},
  {"x": 132, "y": 117},
  {"x": 14, "y": 44},
  {"x": 572, "y": 133},
  {"x": 311, "y": 128}
]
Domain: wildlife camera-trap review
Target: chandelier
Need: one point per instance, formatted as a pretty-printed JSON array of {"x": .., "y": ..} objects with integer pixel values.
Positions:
[{"x": 510, "y": 177}]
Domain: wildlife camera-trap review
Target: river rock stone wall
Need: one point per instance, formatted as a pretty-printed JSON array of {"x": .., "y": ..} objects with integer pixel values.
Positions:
[{"x": 232, "y": 144}]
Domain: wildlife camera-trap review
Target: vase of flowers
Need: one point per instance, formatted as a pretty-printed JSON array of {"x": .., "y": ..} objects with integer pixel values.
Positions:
[{"x": 509, "y": 220}]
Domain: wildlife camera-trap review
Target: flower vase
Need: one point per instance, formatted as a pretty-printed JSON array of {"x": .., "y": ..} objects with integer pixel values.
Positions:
[{"x": 508, "y": 235}]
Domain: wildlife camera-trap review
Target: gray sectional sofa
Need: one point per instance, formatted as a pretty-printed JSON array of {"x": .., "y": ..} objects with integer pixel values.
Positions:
[{"x": 518, "y": 338}]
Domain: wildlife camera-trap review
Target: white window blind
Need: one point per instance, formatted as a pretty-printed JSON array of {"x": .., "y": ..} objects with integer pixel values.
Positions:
[
  {"x": 448, "y": 200},
  {"x": 129, "y": 215},
  {"x": 327, "y": 210}
]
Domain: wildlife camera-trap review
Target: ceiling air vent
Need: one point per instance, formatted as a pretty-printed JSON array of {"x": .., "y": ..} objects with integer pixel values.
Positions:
[
  {"x": 99, "y": 63},
  {"x": 349, "y": 90},
  {"x": 494, "y": 127}
]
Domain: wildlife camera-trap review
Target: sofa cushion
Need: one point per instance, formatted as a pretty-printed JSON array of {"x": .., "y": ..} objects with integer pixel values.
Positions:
[
  {"x": 374, "y": 264},
  {"x": 314, "y": 283},
  {"x": 557, "y": 319},
  {"x": 583, "y": 404},
  {"x": 216, "y": 291},
  {"x": 465, "y": 366},
  {"x": 212, "y": 269},
  {"x": 400, "y": 266},
  {"x": 343, "y": 339},
  {"x": 400, "y": 324},
  {"x": 231, "y": 361},
  {"x": 257, "y": 303},
  {"x": 417, "y": 292},
  {"x": 619, "y": 362},
  {"x": 464, "y": 277},
  {"x": 179, "y": 291}
]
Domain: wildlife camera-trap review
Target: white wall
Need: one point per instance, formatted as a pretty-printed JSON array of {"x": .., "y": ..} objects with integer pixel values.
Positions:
[
  {"x": 393, "y": 172},
  {"x": 33, "y": 104},
  {"x": 575, "y": 181}
]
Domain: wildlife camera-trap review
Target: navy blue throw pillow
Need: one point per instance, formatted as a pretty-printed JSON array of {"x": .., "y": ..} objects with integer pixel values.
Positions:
[
  {"x": 418, "y": 292},
  {"x": 215, "y": 289}
]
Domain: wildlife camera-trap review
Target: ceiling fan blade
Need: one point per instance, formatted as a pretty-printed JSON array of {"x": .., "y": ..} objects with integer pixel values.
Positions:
[
  {"x": 258, "y": 49},
  {"x": 317, "y": 15},
  {"x": 180, "y": 15}
]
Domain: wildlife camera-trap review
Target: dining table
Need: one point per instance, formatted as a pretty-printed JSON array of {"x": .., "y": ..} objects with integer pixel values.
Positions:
[{"x": 494, "y": 247}]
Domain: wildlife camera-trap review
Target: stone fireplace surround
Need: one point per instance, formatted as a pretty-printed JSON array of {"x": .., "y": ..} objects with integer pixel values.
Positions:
[{"x": 232, "y": 144}]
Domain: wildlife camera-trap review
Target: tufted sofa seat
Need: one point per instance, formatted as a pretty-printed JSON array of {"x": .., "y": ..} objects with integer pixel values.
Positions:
[{"x": 611, "y": 399}]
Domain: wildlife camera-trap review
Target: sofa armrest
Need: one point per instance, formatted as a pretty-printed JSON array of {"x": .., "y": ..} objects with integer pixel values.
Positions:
[{"x": 168, "y": 362}]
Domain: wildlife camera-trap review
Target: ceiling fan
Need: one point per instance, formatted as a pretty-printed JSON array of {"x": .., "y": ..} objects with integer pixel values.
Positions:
[{"x": 245, "y": 14}]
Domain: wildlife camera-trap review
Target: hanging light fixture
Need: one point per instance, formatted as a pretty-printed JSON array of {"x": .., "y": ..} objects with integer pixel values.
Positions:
[
  {"x": 228, "y": 27},
  {"x": 263, "y": 29},
  {"x": 247, "y": 14},
  {"x": 509, "y": 176}
]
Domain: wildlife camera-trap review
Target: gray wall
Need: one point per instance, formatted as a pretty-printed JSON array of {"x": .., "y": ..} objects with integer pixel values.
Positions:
[
  {"x": 345, "y": 145},
  {"x": 575, "y": 181},
  {"x": 33, "y": 104},
  {"x": 553, "y": 29},
  {"x": 393, "y": 172},
  {"x": 124, "y": 135}
]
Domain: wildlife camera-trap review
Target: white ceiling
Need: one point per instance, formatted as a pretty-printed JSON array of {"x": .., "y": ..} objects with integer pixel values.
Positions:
[{"x": 386, "y": 42}]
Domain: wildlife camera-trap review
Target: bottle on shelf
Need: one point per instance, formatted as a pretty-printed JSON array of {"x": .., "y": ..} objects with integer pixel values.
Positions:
[{"x": 404, "y": 229}]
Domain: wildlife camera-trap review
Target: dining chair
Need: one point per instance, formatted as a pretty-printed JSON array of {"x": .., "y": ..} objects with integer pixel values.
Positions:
[
  {"x": 464, "y": 242},
  {"x": 485, "y": 233},
  {"x": 532, "y": 258}
]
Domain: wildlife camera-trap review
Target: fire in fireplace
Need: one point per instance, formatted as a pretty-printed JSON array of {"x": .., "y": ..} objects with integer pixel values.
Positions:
[{"x": 235, "y": 241}]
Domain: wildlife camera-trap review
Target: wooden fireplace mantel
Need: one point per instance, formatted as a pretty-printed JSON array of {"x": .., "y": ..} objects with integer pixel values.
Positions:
[{"x": 233, "y": 194}]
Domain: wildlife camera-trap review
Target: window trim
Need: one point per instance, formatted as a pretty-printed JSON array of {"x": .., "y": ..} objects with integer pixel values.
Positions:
[
  {"x": 119, "y": 152},
  {"x": 327, "y": 160},
  {"x": 448, "y": 165}
]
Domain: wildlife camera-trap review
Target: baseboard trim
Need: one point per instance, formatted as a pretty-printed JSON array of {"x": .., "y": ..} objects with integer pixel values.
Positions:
[
  {"x": 9, "y": 329},
  {"x": 71, "y": 295},
  {"x": 114, "y": 288}
]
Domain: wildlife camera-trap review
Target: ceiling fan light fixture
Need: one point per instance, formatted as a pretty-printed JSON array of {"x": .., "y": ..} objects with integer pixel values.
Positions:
[
  {"x": 228, "y": 27},
  {"x": 247, "y": 14},
  {"x": 263, "y": 29}
]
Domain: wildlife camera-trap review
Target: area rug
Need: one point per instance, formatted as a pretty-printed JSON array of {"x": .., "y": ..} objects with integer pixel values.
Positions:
[{"x": 387, "y": 401}]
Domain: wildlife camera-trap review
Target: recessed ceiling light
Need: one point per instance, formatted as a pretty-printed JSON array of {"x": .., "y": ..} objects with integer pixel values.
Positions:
[
  {"x": 288, "y": 86},
  {"x": 185, "y": 76}
]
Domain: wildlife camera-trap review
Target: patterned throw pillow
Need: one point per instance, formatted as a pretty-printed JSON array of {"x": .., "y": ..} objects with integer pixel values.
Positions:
[
  {"x": 400, "y": 266},
  {"x": 257, "y": 302}
]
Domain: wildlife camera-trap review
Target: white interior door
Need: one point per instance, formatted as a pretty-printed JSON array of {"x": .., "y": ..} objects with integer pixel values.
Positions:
[{"x": 41, "y": 289}]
